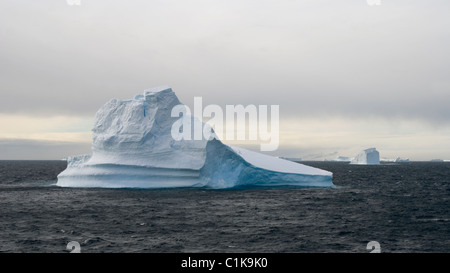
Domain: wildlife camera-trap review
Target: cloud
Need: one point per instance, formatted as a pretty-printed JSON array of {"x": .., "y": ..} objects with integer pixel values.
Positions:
[
  {"x": 54, "y": 128},
  {"x": 317, "y": 138},
  {"x": 335, "y": 67},
  {"x": 25, "y": 149},
  {"x": 324, "y": 58}
]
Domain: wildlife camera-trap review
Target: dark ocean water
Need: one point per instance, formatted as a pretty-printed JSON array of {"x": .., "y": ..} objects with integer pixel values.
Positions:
[{"x": 405, "y": 207}]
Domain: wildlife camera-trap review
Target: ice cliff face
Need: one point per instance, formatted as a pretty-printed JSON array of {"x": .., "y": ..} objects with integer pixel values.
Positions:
[
  {"x": 367, "y": 157},
  {"x": 138, "y": 132},
  {"x": 133, "y": 147}
]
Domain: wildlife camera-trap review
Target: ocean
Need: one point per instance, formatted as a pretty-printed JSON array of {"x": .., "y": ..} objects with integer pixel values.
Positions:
[{"x": 404, "y": 207}]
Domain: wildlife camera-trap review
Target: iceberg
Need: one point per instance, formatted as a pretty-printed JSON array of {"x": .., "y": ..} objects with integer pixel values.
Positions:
[
  {"x": 343, "y": 159},
  {"x": 367, "y": 157},
  {"x": 437, "y": 160},
  {"x": 133, "y": 148},
  {"x": 399, "y": 159},
  {"x": 396, "y": 160}
]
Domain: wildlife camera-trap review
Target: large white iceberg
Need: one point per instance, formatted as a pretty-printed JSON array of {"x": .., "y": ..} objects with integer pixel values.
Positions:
[
  {"x": 367, "y": 157},
  {"x": 133, "y": 147}
]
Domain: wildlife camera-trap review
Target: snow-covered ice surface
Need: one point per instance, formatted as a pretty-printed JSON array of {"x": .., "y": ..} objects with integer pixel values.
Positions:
[
  {"x": 367, "y": 157},
  {"x": 133, "y": 147}
]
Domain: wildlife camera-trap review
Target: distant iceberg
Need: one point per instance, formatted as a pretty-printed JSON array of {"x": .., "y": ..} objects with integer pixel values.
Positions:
[
  {"x": 133, "y": 148},
  {"x": 395, "y": 160},
  {"x": 342, "y": 159},
  {"x": 437, "y": 160},
  {"x": 367, "y": 157}
]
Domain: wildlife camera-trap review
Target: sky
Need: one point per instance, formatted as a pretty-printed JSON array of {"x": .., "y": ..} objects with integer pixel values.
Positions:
[{"x": 346, "y": 75}]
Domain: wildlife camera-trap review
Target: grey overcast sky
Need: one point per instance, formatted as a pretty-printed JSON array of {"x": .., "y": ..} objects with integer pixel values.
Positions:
[{"x": 347, "y": 75}]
